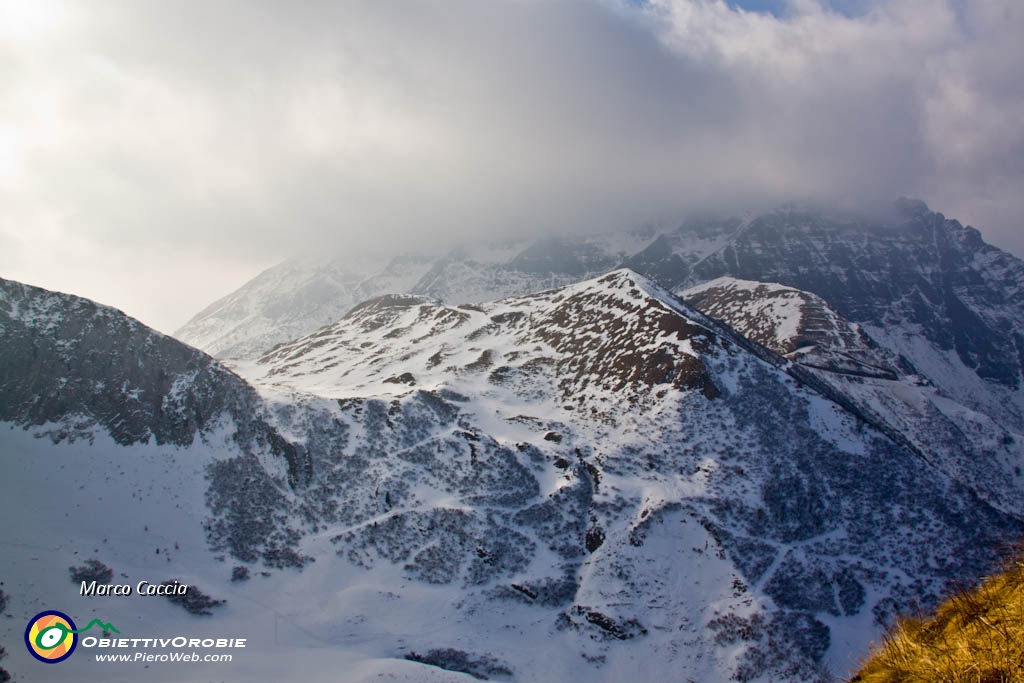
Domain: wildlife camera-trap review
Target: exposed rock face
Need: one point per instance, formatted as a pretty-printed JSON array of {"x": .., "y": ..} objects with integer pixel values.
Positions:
[
  {"x": 65, "y": 356},
  {"x": 917, "y": 269},
  {"x": 923, "y": 286}
]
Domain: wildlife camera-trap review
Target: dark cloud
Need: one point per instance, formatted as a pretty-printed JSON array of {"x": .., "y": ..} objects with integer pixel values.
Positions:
[{"x": 153, "y": 155}]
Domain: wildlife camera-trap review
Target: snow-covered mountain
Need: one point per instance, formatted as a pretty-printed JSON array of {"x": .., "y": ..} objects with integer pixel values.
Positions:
[
  {"x": 302, "y": 294},
  {"x": 885, "y": 387},
  {"x": 924, "y": 287},
  {"x": 921, "y": 285},
  {"x": 295, "y": 297},
  {"x": 587, "y": 482},
  {"x": 795, "y": 324}
]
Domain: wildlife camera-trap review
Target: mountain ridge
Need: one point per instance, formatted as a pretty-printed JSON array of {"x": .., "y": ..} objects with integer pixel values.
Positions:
[{"x": 909, "y": 276}]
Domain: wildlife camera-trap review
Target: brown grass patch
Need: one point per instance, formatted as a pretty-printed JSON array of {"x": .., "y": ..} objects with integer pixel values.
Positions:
[{"x": 975, "y": 636}]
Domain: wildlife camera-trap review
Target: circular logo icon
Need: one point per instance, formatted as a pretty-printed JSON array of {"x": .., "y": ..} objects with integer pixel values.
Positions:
[{"x": 50, "y": 636}]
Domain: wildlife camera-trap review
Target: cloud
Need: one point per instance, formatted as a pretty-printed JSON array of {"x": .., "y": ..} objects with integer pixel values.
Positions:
[{"x": 152, "y": 155}]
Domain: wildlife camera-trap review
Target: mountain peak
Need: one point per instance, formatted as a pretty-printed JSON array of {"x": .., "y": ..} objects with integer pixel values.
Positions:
[
  {"x": 387, "y": 301},
  {"x": 793, "y": 323},
  {"x": 629, "y": 284},
  {"x": 616, "y": 333},
  {"x": 910, "y": 208},
  {"x": 622, "y": 330}
]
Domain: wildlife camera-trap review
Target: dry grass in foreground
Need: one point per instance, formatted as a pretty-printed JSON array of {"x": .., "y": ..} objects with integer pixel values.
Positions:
[{"x": 976, "y": 636}]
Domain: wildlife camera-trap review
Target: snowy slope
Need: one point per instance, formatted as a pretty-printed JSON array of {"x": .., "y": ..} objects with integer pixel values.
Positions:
[
  {"x": 651, "y": 414},
  {"x": 971, "y": 446},
  {"x": 95, "y": 498}
]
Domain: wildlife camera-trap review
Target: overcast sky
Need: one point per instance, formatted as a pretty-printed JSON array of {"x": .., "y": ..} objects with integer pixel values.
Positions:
[{"x": 156, "y": 155}]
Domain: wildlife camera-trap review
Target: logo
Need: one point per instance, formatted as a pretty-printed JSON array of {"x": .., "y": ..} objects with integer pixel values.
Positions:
[{"x": 51, "y": 636}]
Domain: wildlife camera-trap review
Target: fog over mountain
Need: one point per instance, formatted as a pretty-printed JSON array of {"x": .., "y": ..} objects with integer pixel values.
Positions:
[
  {"x": 157, "y": 156},
  {"x": 522, "y": 340}
]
